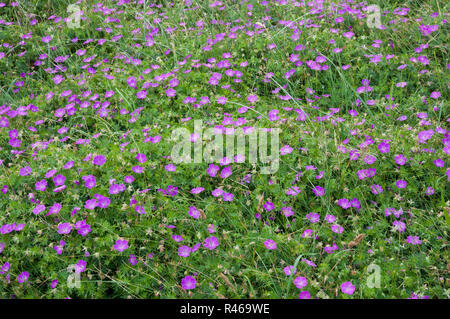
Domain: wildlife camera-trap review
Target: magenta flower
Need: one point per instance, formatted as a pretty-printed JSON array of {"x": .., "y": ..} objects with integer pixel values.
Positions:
[
  {"x": 137, "y": 169},
  {"x": 252, "y": 98},
  {"x": 128, "y": 179},
  {"x": 288, "y": 270},
  {"x": 269, "y": 206},
  {"x": 300, "y": 282},
  {"x": 376, "y": 189},
  {"x": 64, "y": 228},
  {"x": 193, "y": 212},
  {"x": 184, "y": 251},
  {"x": 24, "y": 171},
  {"x": 347, "y": 288},
  {"x": 413, "y": 240},
  {"x": 55, "y": 209},
  {"x": 46, "y": 39},
  {"x": 80, "y": 266},
  {"x": 121, "y": 245},
  {"x": 132, "y": 260},
  {"x": 141, "y": 94},
  {"x": 226, "y": 172},
  {"x": 319, "y": 191},
  {"x": 54, "y": 283},
  {"x": 41, "y": 185},
  {"x": 337, "y": 229},
  {"x": 99, "y": 160},
  {"x": 383, "y": 147},
  {"x": 217, "y": 192},
  {"x": 399, "y": 226},
  {"x": 170, "y": 168},
  {"x": 227, "y": 197},
  {"x": 287, "y": 211},
  {"x": 59, "y": 180},
  {"x": 23, "y": 277},
  {"x": 212, "y": 170},
  {"x": 89, "y": 181},
  {"x": 188, "y": 283},
  {"x": 197, "y": 190},
  {"x": 286, "y": 149},
  {"x": 211, "y": 243},
  {"x": 400, "y": 159},
  {"x": 304, "y": 295},
  {"x": 401, "y": 183},
  {"x": 435, "y": 95},
  {"x": 425, "y": 136},
  {"x": 141, "y": 158},
  {"x": 270, "y": 244}
]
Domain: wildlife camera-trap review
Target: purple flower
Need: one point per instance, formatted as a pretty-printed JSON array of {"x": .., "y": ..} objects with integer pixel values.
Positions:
[
  {"x": 64, "y": 228},
  {"x": 269, "y": 206},
  {"x": 347, "y": 288},
  {"x": 288, "y": 270},
  {"x": 318, "y": 191},
  {"x": 170, "y": 168},
  {"x": 121, "y": 245},
  {"x": 304, "y": 295},
  {"x": 24, "y": 171},
  {"x": 197, "y": 190},
  {"x": 128, "y": 179},
  {"x": 99, "y": 160},
  {"x": 211, "y": 243},
  {"x": 226, "y": 172},
  {"x": 23, "y": 277},
  {"x": 141, "y": 94},
  {"x": 401, "y": 183},
  {"x": 193, "y": 212},
  {"x": 212, "y": 170},
  {"x": 217, "y": 192},
  {"x": 376, "y": 189},
  {"x": 137, "y": 169},
  {"x": 270, "y": 244},
  {"x": 188, "y": 282},
  {"x": 184, "y": 251},
  {"x": 54, "y": 283},
  {"x": 5, "y": 268},
  {"x": 141, "y": 158},
  {"x": 399, "y": 226},
  {"x": 337, "y": 229},
  {"x": 80, "y": 266},
  {"x": 59, "y": 180},
  {"x": 55, "y": 209},
  {"x": 287, "y": 211},
  {"x": 300, "y": 282},
  {"x": 413, "y": 240},
  {"x": 46, "y": 39},
  {"x": 429, "y": 191},
  {"x": 383, "y": 147},
  {"x": 435, "y": 95},
  {"x": 227, "y": 197},
  {"x": 89, "y": 181},
  {"x": 425, "y": 136},
  {"x": 400, "y": 159},
  {"x": 91, "y": 203},
  {"x": 41, "y": 185}
]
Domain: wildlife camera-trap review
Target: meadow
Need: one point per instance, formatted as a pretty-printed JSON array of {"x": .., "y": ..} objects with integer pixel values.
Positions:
[{"x": 95, "y": 202}]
